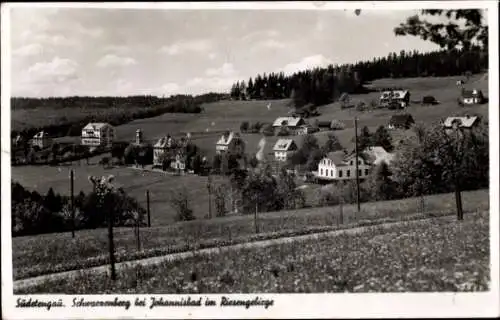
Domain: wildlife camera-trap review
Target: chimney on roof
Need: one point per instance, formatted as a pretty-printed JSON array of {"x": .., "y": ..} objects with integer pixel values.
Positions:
[{"x": 468, "y": 116}]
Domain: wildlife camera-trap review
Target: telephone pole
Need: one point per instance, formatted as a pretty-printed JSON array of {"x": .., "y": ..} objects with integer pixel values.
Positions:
[
  {"x": 72, "y": 200},
  {"x": 357, "y": 165},
  {"x": 209, "y": 187},
  {"x": 148, "y": 210}
]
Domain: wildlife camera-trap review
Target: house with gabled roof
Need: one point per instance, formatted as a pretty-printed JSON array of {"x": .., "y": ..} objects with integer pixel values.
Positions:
[
  {"x": 230, "y": 142},
  {"x": 339, "y": 166},
  {"x": 161, "y": 147},
  {"x": 97, "y": 134},
  {"x": 291, "y": 123},
  {"x": 283, "y": 148},
  {"x": 466, "y": 122},
  {"x": 401, "y": 97},
  {"x": 472, "y": 97},
  {"x": 42, "y": 140},
  {"x": 401, "y": 121}
]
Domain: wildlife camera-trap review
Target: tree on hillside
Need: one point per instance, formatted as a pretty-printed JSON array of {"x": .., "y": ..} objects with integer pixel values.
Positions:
[
  {"x": 382, "y": 138},
  {"x": 364, "y": 139},
  {"x": 449, "y": 34},
  {"x": 332, "y": 144},
  {"x": 179, "y": 200},
  {"x": 380, "y": 183}
]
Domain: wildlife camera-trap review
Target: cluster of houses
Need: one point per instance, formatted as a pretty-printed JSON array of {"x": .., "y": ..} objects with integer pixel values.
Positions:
[{"x": 400, "y": 98}]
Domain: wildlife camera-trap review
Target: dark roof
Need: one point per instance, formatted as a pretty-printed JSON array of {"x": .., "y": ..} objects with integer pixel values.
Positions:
[
  {"x": 401, "y": 119},
  {"x": 337, "y": 157},
  {"x": 471, "y": 93}
]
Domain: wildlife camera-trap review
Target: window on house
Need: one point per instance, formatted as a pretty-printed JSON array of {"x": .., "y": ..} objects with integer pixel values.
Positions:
[
  {"x": 331, "y": 172},
  {"x": 340, "y": 173},
  {"x": 321, "y": 171},
  {"x": 351, "y": 163},
  {"x": 359, "y": 173},
  {"x": 348, "y": 173},
  {"x": 366, "y": 172}
]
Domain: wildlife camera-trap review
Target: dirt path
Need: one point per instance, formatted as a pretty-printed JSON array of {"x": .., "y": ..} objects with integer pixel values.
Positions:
[{"x": 24, "y": 283}]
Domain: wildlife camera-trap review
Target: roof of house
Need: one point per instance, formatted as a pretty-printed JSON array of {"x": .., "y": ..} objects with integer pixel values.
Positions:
[
  {"x": 338, "y": 157},
  {"x": 225, "y": 139},
  {"x": 397, "y": 94},
  {"x": 471, "y": 93},
  {"x": 377, "y": 154},
  {"x": 401, "y": 119},
  {"x": 41, "y": 134},
  {"x": 288, "y": 121},
  {"x": 164, "y": 142},
  {"x": 283, "y": 145},
  {"x": 464, "y": 122},
  {"x": 96, "y": 125}
]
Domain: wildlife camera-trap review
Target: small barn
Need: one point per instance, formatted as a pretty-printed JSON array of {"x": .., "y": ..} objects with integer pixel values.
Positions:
[{"x": 401, "y": 121}]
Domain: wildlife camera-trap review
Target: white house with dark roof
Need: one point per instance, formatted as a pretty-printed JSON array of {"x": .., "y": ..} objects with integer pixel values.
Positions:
[
  {"x": 472, "y": 96},
  {"x": 230, "y": 142},
  {"x": 283, "y": 148},
  {"x": 97, "y": 134},
  {"x": 338, "y": 166},
  {"x": 162, "y": 146},
  {"x": 402, "y": 97},
  {"x": 41, "y": 140}
]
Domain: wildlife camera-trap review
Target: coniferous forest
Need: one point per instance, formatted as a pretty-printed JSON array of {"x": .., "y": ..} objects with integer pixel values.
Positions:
[{"x": 323, "y": 85}]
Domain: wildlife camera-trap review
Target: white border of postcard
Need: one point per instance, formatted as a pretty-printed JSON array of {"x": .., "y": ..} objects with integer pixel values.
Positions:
[{"x": 285, "y": 305}]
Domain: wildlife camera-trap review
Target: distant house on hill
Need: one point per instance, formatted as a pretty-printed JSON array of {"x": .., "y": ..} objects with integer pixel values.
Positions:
[
  {"x": 41, "y": 140},
  {"x": 472, "y": 97},
  {"x": 429, "y": 100},
  {"x": 230, "y": 142},
  {"x": 401, "y": 121},
  {"x": 179, "y": 163},
  {"x": 98, "y": 134},
  {"x": 283, "y": 148},
  {"x": 337, "y": 166},
  {"x": 400, "y": 97},
  {"x": 291, "y": 123},
  {"x": 161, "y": 147},
  {"x": 466, "y": 122}
]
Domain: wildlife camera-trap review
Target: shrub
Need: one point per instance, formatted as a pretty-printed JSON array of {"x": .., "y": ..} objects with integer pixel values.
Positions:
[
  {"x": 244, "y": 126},
  {"x": 268, "y": 130},
  {"x": 180, "y": 202}
]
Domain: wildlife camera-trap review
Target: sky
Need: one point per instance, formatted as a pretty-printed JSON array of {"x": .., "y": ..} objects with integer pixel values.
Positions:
[{"x": 121, "y": 52}]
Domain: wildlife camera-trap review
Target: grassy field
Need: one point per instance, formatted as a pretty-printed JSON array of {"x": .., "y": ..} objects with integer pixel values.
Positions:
[
  {"x": 35, "y": 255},
  {"x": 425, "y": 256},
  {"x": 228, "y": 115},
  {"x": 134, "y": 182}
]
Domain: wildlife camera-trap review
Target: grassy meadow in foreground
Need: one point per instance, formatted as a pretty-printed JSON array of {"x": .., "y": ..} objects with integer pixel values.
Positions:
[
  {"x": 427, "y": 256},
  {"x": 48, "y": 253}
]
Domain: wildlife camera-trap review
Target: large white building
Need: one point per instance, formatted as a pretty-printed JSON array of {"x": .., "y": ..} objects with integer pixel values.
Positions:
[
  {"x": 98, "y": 134},
  {"x": 338, "y": 166},
  {"x": 283, "y": 148}
]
